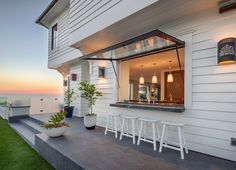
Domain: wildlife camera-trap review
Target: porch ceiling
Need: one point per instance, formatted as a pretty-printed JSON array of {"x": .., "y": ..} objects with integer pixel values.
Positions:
[{"x": 150, "y": 18}]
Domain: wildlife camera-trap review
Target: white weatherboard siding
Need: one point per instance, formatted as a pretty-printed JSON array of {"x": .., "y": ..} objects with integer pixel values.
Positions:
[
  {"x": 82, "y": 71},
  {"x": 63, "y": 53},
  {"x": 210, "y": 118},
  {"x": 210, "y": 101},
  {"x": 89, "y": 17}
]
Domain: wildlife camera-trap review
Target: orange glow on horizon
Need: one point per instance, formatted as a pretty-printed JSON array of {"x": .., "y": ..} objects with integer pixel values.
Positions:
[{"x": 21, "y": 85}]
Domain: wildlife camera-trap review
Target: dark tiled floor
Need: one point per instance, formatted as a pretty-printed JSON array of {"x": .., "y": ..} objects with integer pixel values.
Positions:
[{"x": 92, "y": 150}]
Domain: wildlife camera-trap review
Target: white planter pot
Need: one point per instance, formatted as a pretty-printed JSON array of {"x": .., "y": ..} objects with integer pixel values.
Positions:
[
  {"x": 56, "y": 132},
  {"x": 90, "y": 121}
]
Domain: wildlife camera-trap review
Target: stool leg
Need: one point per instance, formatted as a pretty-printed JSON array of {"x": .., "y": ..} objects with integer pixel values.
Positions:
[
  {"x": 133, "y": 130},
  {"x": 145, "y": 130},
  {"x": 166, "y": 135},
  {"x": 184, "y": 141},
  {"x": 106, "y": 125},
  {"x": 162, "y": 137},
  {"x": 158, "y": 132},
  {"x": 140, "y": 132},
  {"x": 112, "y": 123},
  {"x": 154, "y": 136},
  {"x": 115, "y": 127},
  {"x": 181, "y": 143},
  {"x": 137, "y": 124},
  {"x": 122, "y": 128},
  {"x": 127, "y": 127}
]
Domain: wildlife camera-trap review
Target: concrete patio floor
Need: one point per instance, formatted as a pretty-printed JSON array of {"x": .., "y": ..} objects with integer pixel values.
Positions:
[{"x": 90, "y": 149}]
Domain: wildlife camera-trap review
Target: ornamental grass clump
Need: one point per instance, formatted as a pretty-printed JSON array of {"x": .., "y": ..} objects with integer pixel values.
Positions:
[{"x": 56, "y": 121}]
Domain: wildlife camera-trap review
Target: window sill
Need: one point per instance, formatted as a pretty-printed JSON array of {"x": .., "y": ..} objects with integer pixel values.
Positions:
[{"x": 169, "y": 107}]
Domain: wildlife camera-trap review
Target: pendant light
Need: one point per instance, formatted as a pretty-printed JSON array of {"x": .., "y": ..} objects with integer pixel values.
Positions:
[
  {"x": 141, "y": 79},
  {"x": 154, "y": 77},
  {"x": 170, "y": 78}
]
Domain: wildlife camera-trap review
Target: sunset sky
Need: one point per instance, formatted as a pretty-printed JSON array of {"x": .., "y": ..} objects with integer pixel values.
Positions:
[{"x": 24, "y": 50}]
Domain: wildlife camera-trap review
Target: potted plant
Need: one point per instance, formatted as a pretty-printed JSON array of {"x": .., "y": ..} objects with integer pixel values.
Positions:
[
  {"x": 69, "y": 96},
  {"x": 56, "y": 126},
  {"x": 90, "y": 93}
]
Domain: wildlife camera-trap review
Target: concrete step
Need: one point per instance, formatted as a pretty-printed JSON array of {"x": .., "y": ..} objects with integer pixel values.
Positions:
[
  {"x": 32, "y": 124},
  {"x": 27, "y": 127},
  {"x": 26, "y": 133}
]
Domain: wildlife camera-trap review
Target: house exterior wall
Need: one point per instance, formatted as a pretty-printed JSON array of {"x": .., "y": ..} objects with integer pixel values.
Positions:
[
  {"x": 63, "y": 53},
  {"x": 210, "y": 116},
  {"x": 210, "y": 93},
  {"x": 82, "y": 71},
  {"x": 89, "y": 17}
]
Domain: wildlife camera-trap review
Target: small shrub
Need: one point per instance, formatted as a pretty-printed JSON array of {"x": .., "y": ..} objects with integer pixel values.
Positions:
[{"x": 56, "y": 120}]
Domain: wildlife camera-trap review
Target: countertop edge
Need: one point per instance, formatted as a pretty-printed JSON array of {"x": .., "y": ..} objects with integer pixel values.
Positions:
[{"x": 150, "y": 107}]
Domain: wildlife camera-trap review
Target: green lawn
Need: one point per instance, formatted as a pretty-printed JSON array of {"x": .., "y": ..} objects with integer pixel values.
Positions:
[{"x": 16, "y": 154}]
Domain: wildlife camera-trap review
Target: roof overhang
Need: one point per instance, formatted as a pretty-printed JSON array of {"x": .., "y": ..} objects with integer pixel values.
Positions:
[{"x": 53, "y": 10}]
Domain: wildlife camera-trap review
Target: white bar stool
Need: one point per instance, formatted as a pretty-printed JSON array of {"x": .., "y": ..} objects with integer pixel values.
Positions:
[
  {"x": 155, "y": 130},
  {"x": 164, "y": 136},
  {"x": 111, "y": 124},
  {"x": 126, "y": 120}
]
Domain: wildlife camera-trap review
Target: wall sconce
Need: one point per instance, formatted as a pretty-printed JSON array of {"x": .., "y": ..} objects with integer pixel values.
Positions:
[
  {"x": 74, "y": 77},
  {"x": 101, "y": 72},
  {"x": 226, "y": 51}
]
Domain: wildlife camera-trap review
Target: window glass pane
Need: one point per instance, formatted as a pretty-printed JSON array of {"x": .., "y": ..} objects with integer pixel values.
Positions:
[{"x": 54, "y": 39}]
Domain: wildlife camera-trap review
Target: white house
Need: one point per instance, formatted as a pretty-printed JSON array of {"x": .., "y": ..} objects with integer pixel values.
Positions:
[{"x": 142, "y": 39}]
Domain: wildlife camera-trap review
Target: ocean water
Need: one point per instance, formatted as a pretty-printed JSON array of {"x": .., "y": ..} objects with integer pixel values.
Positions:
[{"x": 39, "y": 103}]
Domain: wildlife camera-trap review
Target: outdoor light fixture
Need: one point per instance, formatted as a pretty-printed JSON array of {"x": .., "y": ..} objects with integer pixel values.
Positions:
[
  {"x": 170, "y": 78},
  {"x": 141, "y": 79},
  {"x": 101, "y": 72},
  {"x": 226, "y": 51},
  {"x": 154, "y": 77},
  {"x": 74, "y": 77}
]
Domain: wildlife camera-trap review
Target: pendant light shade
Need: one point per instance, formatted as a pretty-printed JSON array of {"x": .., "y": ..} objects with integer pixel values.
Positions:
[
  {"x": 170, "y": 78},
  {"x": 154, "y": 79},
  {"x": 141, "y": 80}
]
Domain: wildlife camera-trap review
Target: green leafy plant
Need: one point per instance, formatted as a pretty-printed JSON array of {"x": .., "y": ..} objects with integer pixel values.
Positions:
[
  {"x": 56, "y": 120},
  {"x": 90, "y": 93},
  {"x": 69, "y": 97}
]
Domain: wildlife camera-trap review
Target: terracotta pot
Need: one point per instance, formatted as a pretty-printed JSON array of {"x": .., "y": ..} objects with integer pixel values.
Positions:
[
  {"x": 56, "y": 132},
  {"x": 90, "y": 121}
]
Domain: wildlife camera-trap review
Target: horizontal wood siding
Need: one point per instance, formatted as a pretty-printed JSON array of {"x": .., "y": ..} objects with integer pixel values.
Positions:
[
  {"x": 82, "y": 71},
  {"x": 90, "y": 16},
  {"x": 63, "y": 53},
  {"x": 211, "y": 120}
]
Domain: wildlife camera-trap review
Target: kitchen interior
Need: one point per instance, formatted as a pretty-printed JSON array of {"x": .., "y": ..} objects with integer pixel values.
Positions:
[{"x": 157, "y": 79}]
